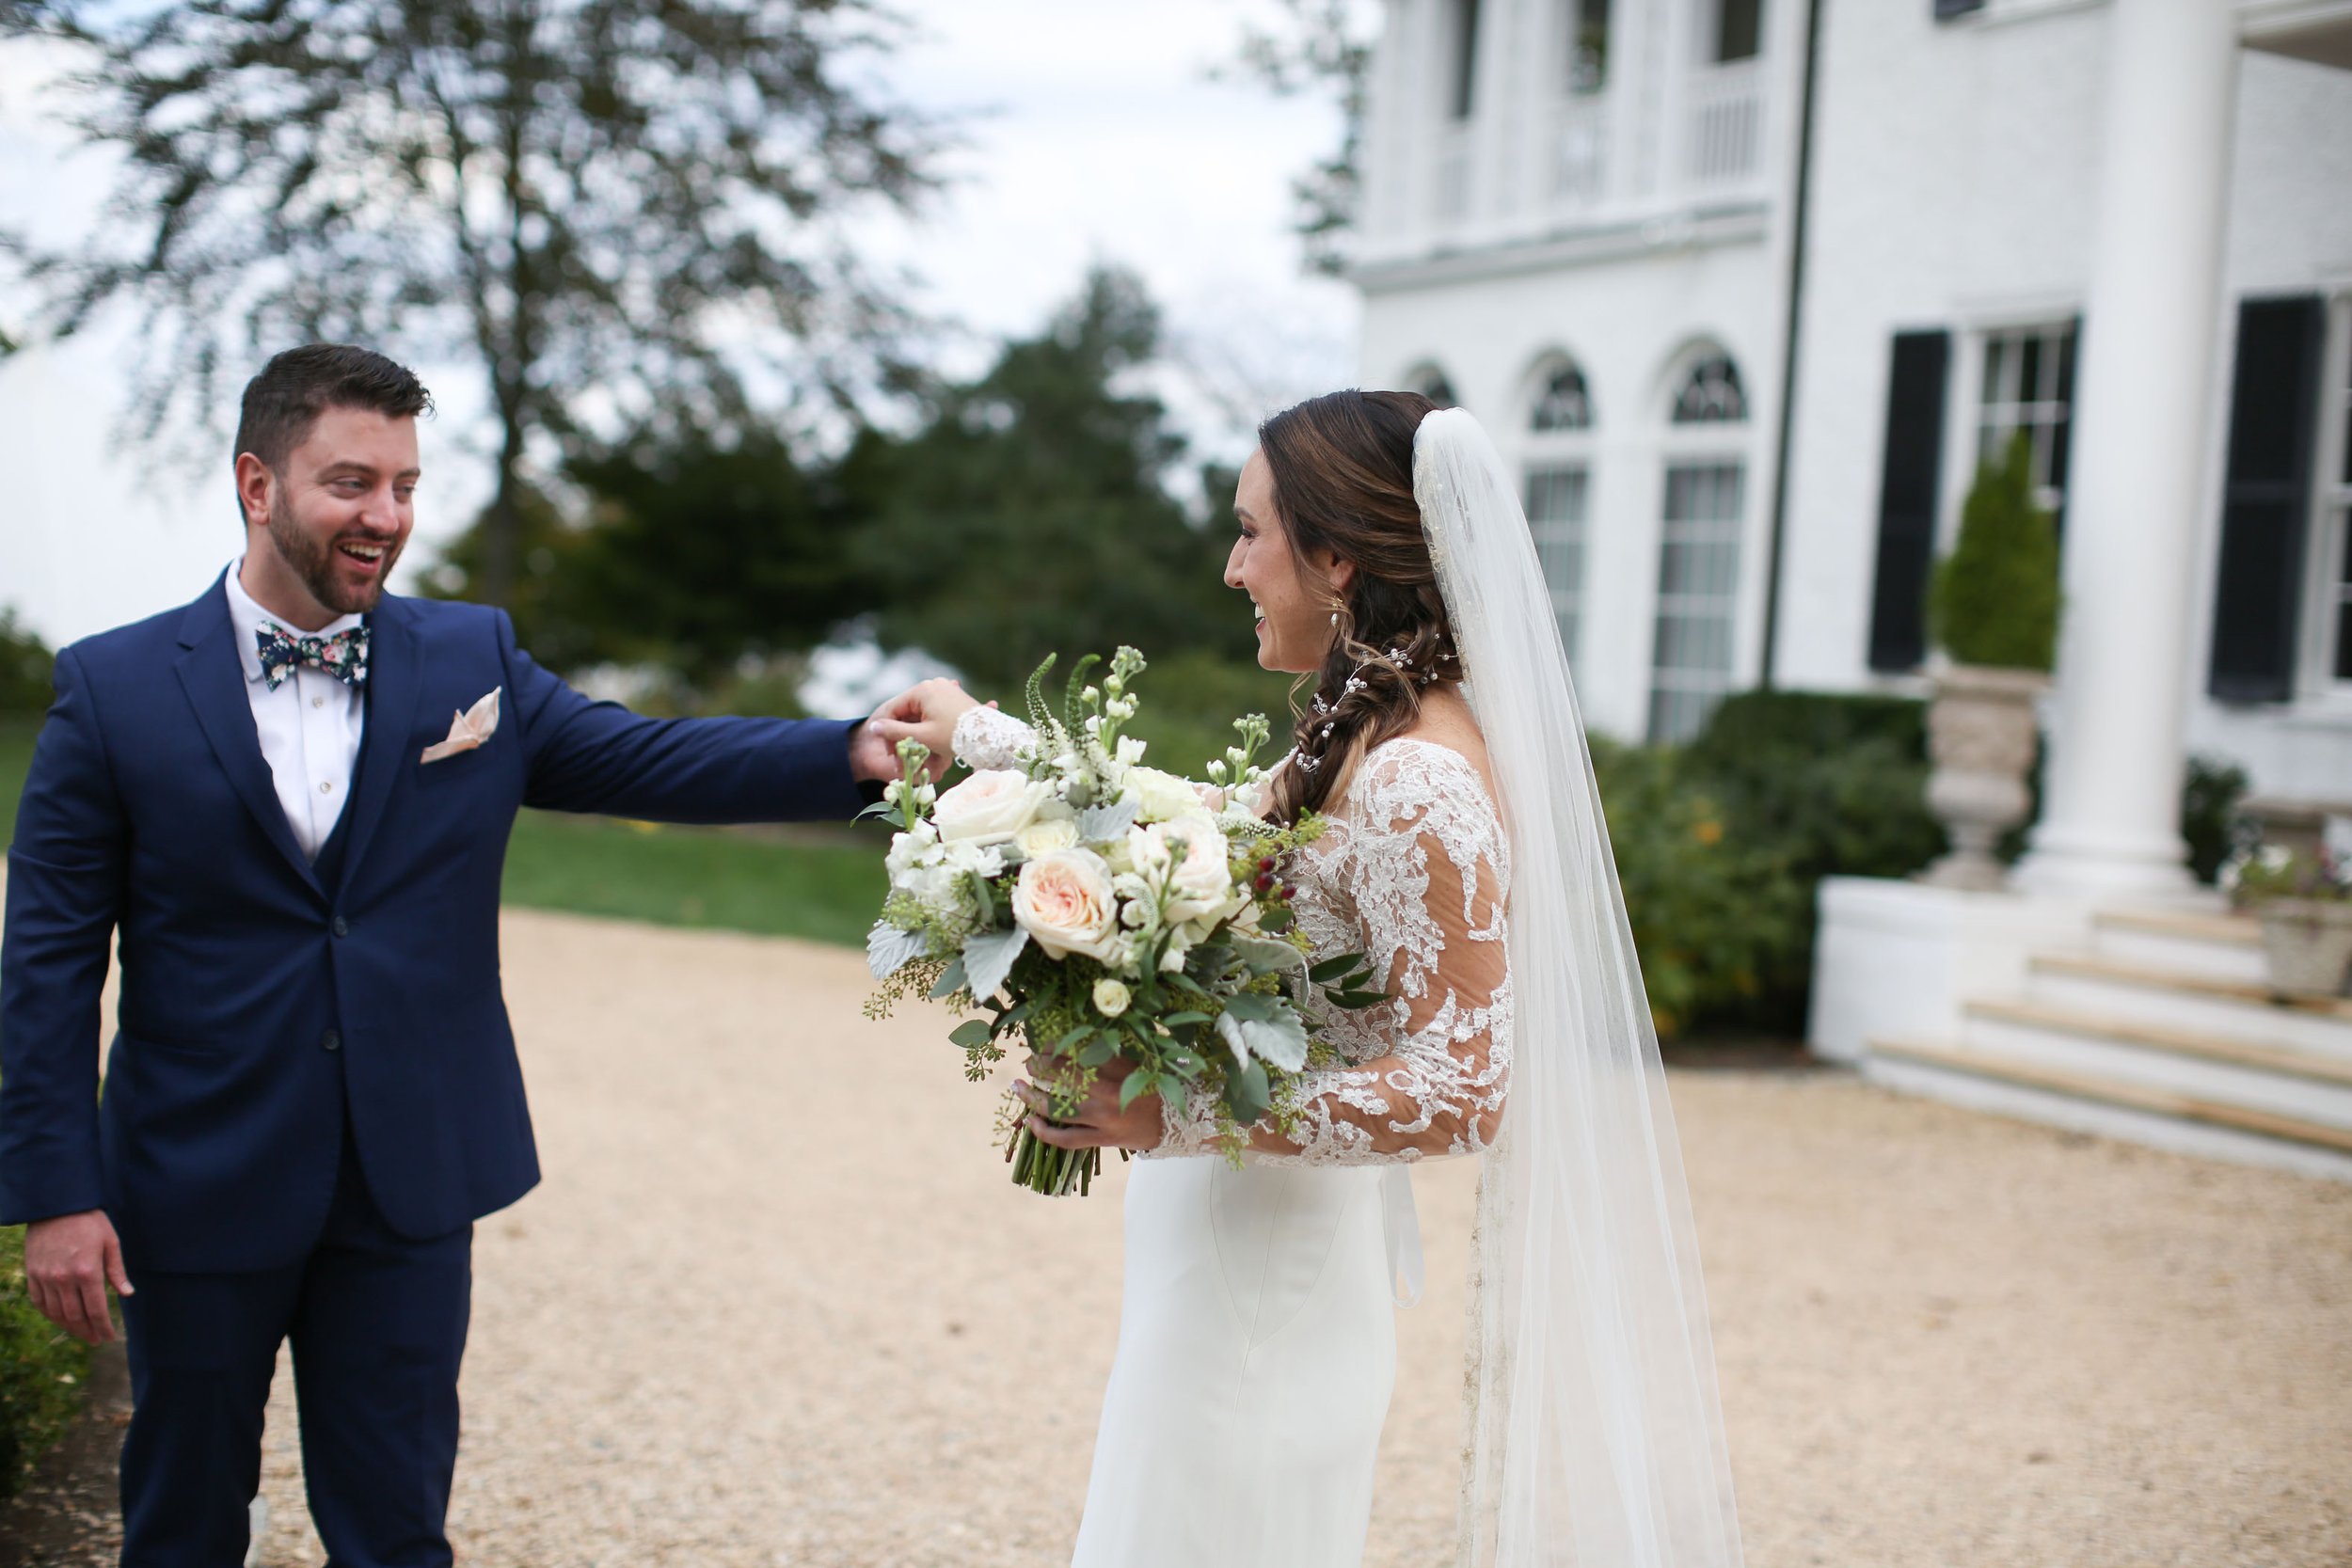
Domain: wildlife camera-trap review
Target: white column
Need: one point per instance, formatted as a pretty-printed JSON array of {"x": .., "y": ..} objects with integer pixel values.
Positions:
[{"x": 2111, "y": 803}]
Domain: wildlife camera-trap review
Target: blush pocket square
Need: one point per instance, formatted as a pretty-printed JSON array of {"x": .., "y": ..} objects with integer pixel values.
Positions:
[{"x": 470, "y": 729}]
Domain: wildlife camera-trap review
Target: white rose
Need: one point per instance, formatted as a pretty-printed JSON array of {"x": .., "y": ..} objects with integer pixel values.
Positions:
[
  {"x": 1111, "y": 997},
  {"x": 1160, "y": 795},
  {"x": 990, "y": 806},
  {"x": 1065, "y": 901},
  {"x": 1044, "y": 837}
]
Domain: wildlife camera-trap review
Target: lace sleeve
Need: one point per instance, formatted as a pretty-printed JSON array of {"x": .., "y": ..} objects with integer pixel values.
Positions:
[
  {"x": 1427, "y": 869},
  {"x": 985, "y": 738}
]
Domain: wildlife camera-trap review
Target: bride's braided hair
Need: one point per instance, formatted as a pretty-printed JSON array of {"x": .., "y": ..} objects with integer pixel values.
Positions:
[{"x": 1342, "y": 470}]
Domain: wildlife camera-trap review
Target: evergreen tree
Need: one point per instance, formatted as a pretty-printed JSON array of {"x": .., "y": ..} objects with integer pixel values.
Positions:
[
  {"x": 1994, "y": 599},
  {"x": 1031, "y": 516}
]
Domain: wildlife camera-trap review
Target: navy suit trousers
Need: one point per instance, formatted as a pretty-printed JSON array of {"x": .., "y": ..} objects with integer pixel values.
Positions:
[{"x": 378, "y": 1327}]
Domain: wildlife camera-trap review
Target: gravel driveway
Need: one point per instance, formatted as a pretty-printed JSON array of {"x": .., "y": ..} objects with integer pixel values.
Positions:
[{"x": 775, "y": 1303}]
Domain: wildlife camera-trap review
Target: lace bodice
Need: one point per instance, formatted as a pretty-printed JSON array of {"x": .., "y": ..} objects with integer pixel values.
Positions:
[{"x": 1414, "y": 872}]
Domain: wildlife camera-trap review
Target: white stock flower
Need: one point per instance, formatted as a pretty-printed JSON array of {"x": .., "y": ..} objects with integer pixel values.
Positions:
[
  {"x": 1065, "y": 901},
  {"x": 990, "y": 806},
  {"x": 1111, "y": 997}
]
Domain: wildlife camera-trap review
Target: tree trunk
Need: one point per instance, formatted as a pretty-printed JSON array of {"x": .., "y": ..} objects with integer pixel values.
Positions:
[{"x": 502, "y": 524}]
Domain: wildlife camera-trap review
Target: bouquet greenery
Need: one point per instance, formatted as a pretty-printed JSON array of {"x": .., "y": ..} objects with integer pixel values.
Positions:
[{"x": 1106, "y": 911}]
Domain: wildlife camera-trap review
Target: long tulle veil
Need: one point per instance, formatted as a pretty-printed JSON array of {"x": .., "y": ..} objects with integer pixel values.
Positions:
[{"x": 1596, "y": 1439}]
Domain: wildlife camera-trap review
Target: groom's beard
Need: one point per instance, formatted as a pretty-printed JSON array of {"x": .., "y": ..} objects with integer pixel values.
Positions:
[{"x": 312, "y": 560}]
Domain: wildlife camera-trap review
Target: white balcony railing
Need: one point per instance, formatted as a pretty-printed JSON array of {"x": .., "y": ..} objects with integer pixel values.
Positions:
[{"x": 1724, "y": 125}]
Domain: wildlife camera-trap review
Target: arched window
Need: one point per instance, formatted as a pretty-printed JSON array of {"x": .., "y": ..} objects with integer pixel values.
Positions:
[
  {"x": 1710, "y": 394},
  {"x": 1558, "y": 472},
  {"x": 1704, "y": 514},
  {"x": 1431, "y": 383},
  {"x": 1563, "y": 403}
]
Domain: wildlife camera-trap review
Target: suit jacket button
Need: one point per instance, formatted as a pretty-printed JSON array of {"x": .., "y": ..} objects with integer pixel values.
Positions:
[
  {"x": 340, "y": 926},
  {"x": 332, "y": 1040}
]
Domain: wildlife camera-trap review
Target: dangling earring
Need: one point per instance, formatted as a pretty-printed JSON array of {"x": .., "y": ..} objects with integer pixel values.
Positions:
[{"x": 1335, "y": 617}]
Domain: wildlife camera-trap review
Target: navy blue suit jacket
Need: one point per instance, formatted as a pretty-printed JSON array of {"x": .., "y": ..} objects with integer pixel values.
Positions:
[{"x": 259, "y": 1003}]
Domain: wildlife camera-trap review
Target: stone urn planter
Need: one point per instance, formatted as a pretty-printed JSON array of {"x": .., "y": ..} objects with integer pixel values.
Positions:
[
  {"x": 1981, "y": 729},
  {"x": 2307, "y": 945}
]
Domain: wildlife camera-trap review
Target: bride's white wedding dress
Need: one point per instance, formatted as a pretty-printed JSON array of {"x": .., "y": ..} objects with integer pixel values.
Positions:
[{"x": 1257, "y": 1334}]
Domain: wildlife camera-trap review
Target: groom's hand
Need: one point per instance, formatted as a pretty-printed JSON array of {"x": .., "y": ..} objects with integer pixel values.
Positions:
[
  {"x": 69, "y": 1262},
  {"x": 925, "y": 713}
]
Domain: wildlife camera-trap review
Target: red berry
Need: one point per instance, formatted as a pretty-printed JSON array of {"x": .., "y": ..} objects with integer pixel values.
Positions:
[
  {"x": 1263, "y": 882},
  {"x": 1288, "y": 894}
]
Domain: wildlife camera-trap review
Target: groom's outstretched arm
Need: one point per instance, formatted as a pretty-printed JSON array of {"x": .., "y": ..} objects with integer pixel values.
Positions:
[
  {"x": 65, "y": 893},
  {"x": 589, "y": 756}
]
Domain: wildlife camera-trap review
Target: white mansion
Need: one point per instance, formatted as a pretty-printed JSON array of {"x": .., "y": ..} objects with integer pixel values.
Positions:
[
  {"x": 1595, "y": 222},
  {"x": 1747, "y": 287}
]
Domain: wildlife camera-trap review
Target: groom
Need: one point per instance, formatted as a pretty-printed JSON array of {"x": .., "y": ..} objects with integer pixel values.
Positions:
[{"x": 292, "y": 799}]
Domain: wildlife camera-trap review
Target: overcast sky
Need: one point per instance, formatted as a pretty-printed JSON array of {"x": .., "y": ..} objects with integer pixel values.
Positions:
[{"x": 1093, "y": 134}]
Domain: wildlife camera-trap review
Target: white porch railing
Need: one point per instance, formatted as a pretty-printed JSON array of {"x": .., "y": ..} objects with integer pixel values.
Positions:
[{"x": 1724, "y": 125}]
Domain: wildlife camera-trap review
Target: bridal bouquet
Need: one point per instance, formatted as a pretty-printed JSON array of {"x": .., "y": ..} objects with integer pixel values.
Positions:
[{"x": 1105, "y": 912}]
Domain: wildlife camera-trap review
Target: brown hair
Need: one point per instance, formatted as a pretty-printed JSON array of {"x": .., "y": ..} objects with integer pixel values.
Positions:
[
  {"x": 296, "y": 387},
  {"x": 1342, "y": 470}
]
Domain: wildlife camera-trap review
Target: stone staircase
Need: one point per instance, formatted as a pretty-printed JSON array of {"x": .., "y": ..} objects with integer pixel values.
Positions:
[{"x": 2160, "y": 1032}]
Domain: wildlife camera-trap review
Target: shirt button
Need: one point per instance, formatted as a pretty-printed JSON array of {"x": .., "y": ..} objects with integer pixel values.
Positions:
[
  {"x": 332, "y": 1040},
  {"x": 318, "y": 701},
  {"x": 325, "y": 788},
  {"x": 340, "y": 926}
]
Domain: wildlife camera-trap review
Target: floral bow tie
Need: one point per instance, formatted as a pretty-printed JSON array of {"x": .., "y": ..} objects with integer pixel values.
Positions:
[{"x": 343, "y": 656}]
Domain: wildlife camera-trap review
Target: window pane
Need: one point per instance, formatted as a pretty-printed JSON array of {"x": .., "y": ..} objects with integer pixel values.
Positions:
[
  {"x": 2028, "y": 387},
  {"x": 1465, "y": 56},
  {"x": 1562, "y": 404},
  {"x": 1739, "y": 29},
  {"x": 1588, "y": 45},
  {"x": 1712, "y": 395}
]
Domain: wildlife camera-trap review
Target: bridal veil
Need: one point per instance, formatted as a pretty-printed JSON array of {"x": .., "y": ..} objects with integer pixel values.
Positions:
[{"x": 1596, "y": 1439}]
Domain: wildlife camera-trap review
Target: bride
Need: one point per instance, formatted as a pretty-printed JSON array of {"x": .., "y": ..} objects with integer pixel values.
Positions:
[{"x": 1383, "y": 549}]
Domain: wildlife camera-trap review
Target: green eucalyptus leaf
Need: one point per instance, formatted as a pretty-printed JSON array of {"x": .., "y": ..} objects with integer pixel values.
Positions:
[
  {"x": 972, "y": 1035},
  {"x": 1247, "y": 1093}
]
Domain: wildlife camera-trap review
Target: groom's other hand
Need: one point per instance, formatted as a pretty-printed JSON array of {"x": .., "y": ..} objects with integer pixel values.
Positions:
[
  {"x": 69, "y": 1262},
  {"x": 925, "y": 713}
]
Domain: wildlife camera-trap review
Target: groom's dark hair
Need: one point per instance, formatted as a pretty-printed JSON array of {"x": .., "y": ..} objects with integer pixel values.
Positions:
[{"x": 296, "y": 387}]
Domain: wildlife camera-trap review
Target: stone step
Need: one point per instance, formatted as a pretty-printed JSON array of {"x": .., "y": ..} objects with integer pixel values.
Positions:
[
  {"x": 2091, "y": 1102},
  {"x": 2201, "y": 1005},
  {"x": 2216, "y": 946},
  {"x": 2271, "y": 1079}
]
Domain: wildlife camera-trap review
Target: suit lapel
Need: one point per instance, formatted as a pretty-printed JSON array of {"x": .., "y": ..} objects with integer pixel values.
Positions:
[
  {"x": 394, "y": 680},
  {"x": 214, "y": 678}
]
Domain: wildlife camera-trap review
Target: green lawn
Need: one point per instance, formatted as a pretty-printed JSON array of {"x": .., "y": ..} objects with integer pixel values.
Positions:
[{"x": 827, "y": 889}]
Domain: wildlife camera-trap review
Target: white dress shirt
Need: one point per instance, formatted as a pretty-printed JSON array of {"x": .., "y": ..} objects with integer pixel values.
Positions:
[{"x": 309, "y": 727}]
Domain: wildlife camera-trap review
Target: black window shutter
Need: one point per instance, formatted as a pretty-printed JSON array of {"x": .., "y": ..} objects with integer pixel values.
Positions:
[
  {"x": 1907, "y": 496},
  {"x": 2266, "y": 497}
]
